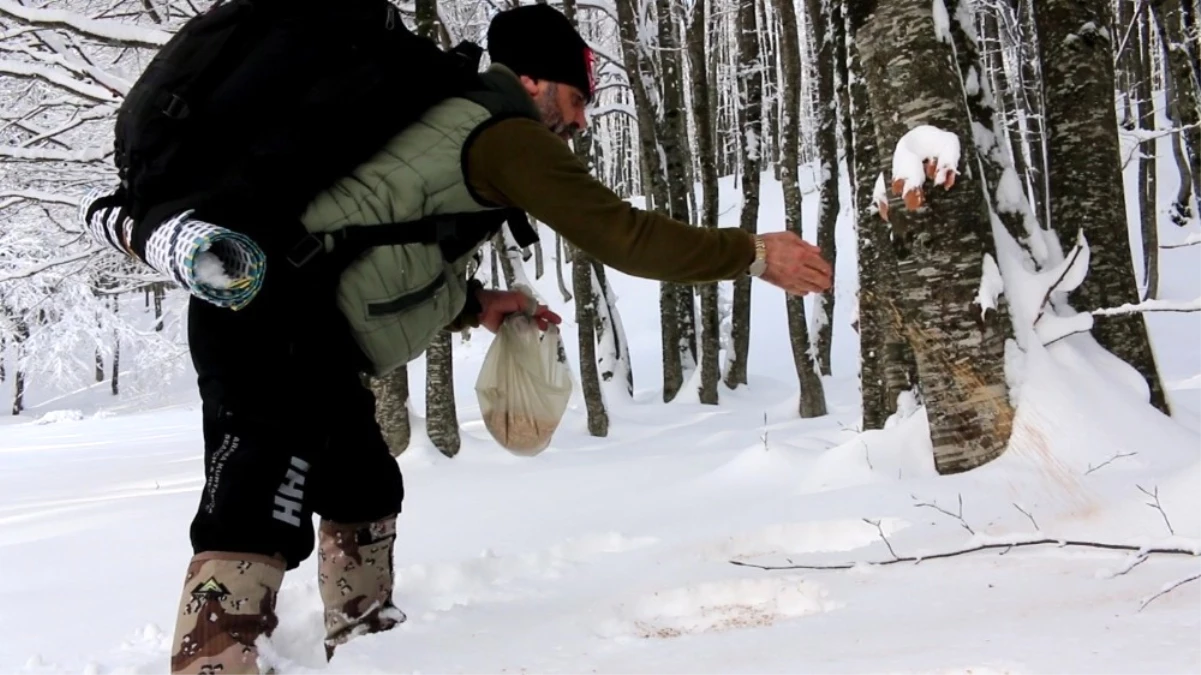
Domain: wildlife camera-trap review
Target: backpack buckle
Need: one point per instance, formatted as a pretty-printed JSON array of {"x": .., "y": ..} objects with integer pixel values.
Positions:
[
  {"x": 305, "y": 250},
  {"x": 176, "y": 107}
]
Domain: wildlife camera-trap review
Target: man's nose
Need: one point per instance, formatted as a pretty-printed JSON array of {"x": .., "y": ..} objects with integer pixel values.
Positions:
[{"x": 581, "y": 119}]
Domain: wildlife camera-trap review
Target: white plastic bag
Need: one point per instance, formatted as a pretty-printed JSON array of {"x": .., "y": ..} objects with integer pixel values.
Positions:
[{"x": 523, "y": 387}]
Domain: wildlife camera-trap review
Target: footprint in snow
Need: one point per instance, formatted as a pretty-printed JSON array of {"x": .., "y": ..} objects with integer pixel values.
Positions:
[{"x": 718, "y": 606}]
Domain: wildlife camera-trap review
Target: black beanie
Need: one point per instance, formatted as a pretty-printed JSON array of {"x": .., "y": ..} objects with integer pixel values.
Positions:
[{"x": 539, "y": 42}]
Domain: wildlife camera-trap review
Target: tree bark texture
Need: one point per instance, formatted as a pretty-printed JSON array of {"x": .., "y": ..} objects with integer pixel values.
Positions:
[
  {"x": 585, "y": 316},
  {"x": 1084, "y": 165},
  {"x": 392, "y": 409},
  {"x": 1148, "y": 202},
  {"x": 1172, "y": 18},
  {"x": 751, "y": 102},
  {"x": 827, "y": 160},
  {"x": 638, "y": 68},
  {"x": 812, "y": 401},
  {"x": 911, "y": 81},
  {"x": 702, "y": 106},
  {"x": 887, "y": 366},
  {"x": 441, "y": 413}
]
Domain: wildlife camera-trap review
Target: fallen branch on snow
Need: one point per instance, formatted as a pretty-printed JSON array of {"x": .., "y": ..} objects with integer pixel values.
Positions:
[
  {"x": 1168, "y": 589},
  {"x": 1151, "y": 306},
  {"x": 917, "y": 559}
]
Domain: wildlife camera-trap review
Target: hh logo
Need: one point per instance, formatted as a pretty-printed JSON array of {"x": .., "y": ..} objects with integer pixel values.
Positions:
[{"x": 290, "y": 496}]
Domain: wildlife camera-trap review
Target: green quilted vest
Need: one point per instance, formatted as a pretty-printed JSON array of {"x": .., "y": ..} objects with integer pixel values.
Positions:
[{"x": 397, "y": 297}]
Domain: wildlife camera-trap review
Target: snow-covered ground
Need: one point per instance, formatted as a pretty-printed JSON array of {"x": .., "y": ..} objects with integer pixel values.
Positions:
[{"x": 613, "y": 555}]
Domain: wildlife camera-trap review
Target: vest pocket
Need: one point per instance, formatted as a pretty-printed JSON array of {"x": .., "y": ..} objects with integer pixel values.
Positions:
[{"x": 406, "y": 301}]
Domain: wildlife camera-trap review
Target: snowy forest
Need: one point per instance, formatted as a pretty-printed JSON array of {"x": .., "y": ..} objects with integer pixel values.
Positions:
[
  {"x": 959, "y": 137},
  {"x": 976, "y": 453}
]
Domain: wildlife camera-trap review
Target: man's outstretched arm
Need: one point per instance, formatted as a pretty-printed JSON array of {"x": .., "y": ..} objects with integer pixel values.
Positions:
[{"x": 519, "y": 163}]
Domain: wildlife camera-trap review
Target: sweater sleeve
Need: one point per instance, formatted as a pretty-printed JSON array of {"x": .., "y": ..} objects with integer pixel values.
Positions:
[{"x": 519, "y": 163}]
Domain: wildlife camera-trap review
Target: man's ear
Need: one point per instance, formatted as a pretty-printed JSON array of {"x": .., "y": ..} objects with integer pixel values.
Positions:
[{"x": 531, "y": 85}]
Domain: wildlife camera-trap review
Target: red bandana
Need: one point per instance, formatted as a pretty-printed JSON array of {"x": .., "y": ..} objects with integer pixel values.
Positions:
[{"x": 588, "y": 61}]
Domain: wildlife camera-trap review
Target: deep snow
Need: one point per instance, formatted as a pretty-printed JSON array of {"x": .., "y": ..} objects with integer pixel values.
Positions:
[{"x": 612, "y": 555}]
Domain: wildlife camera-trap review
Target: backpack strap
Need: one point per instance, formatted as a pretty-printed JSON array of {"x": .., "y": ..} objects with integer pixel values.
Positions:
[{"x": 452, "y": 231}]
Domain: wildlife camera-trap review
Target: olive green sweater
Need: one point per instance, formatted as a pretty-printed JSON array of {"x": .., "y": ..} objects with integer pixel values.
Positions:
[{"x": 519, "y": 163}]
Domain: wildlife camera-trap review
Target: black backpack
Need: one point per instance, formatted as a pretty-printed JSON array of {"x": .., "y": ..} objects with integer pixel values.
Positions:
[{"x": 255, "y": 106}]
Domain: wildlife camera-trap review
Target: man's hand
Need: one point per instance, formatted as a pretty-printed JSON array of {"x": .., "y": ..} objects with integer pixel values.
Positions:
[
  {"x": 499, "y": 304},
  {"x": 795, "y": 265}
]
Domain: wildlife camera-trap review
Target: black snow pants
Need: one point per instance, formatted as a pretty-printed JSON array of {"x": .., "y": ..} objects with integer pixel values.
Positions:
[{"x": 289, "y": 427}]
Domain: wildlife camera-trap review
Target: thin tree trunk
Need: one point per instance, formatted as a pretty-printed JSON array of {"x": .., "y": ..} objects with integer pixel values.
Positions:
[
  {"x": 560, "y": 253},
  {"x": 392, "y": 409},
  {"x": 116, "y": 377},
  {"x": 160, "y": 292},
  {"x": 1148, "y": 203},
  {"x": 1084, "y": 162},
  {"x": 842, "y": 86},
  {"x": 674, "y": 148},
  {"x": 703, "y": 110},
  {"x": 585, "y": 316},
  {"x": 641, "y": 80},
  {"x": 812, "y": 401},
  {"x": 911, "y": 80},
  {"x": 442, "y": 419},
  {"x": 20, "y": 335},
  {"x": 1184, "y": 103},
  {"x": 827, "y": 154},
  {"x": 750, "y": 87},
  {"x": 1035, "y": 108}
]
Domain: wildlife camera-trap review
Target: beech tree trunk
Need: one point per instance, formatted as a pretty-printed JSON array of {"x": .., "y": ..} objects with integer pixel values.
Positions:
[
  {"x": 392, "y": 408},
  {"x": 1084, "y": 164},
  {"x": 1148, "y": 202},
  {"x": 750, "y": 89},
  {"x": 1184, "y": 100},
  {"x": 638, "y": 68},
  {"x": 441, "y": 413},
  {"x": 827, "y": 160},
  {"x": 702, "y": 106},
  {"x": 912, "y": 81},
  {"x": 887, "y": 366},
  {"x": 812, "y": 401}
]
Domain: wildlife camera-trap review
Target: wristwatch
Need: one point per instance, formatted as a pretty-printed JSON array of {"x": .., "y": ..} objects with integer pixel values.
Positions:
[{"x": 759, "y": 265}]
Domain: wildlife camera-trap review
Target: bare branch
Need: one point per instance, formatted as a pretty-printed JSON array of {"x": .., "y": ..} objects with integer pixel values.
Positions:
[
  {"x": 85, "y": 156},
  {"x": 17, "y": 196},
  {"x": 33, "y": 270},
  {"x": 983, "y": 547},
  {"x": 1193, "y": 240},
  {"x": 1116, "y": 456},
  {"x": 882, "y": 536},
  {"x": 1168, "y": 589},
  {"x": 957, "y": 516},
  {"x": 1042, "y": 309},
  {"x": 112, "y": 32},
  {"x": 1135, "y": 561},
  {"x": 56, "y": 78},
  {"x": 1157, "y": 506},
  {"x": 1151, "y": 306},
  {"x": 1027, "y": 514}
]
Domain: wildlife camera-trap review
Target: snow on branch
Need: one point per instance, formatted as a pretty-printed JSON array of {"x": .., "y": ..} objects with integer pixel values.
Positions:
[
  {"x": 58, "y": 79},
  {"x": 63, "y": 57},
  {"x": 1193, "y": 305},
  {"x": 1005, "y": 544},
  {"x": 10, "y": 197},
  {"x": 84, "y": 156},
  {"x": 1192, "y": 240},
  {"x": 34, "y": 270},
  {"x": 105, "y": 30}
]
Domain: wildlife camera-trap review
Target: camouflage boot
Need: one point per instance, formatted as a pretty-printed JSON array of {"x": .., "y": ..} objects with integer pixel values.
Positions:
[
  {"x": 228, "y": 601},
  {"x": 355, "y": 578}
]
